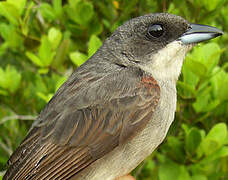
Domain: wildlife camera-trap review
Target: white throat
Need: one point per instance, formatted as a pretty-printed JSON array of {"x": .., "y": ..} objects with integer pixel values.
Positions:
[{"x": 166, "y": 64}]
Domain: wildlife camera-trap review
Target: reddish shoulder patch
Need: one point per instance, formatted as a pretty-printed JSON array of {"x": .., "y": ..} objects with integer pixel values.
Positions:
[{"x": 149, "y": 82}]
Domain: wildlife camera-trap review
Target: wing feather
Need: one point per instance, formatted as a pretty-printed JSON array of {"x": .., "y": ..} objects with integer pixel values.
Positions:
[{"x": 87, "y": 118}]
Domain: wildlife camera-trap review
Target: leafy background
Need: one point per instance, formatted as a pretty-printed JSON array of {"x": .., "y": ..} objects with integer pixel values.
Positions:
[{"x": 41, "y": 42}]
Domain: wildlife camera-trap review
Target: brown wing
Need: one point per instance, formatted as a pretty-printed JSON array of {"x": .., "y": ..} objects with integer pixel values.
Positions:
[{"x": 88, "y": 117}]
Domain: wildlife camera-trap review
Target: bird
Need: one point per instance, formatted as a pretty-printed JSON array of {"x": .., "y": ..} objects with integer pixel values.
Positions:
[{"x": 116, "y": 108}]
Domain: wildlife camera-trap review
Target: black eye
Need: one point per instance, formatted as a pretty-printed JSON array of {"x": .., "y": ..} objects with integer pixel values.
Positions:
[{"x": 155, "y": 30}]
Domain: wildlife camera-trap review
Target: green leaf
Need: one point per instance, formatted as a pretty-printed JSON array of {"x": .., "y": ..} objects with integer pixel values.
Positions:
[
  {"x": 94, "y": 44},
  {"x": 215, "y": 139},
  {"x": 10, "y": 79},
  {"x": 60, "y": 82},
  {"x": 73, "y": 3},
  {"x": 95, "y": 27},
  {"x": 168, "y": 171},
  {"x": 10, "y": 12},
  {"x": 220, "y": 153},
  {"x": 13, "y": 79},
  {"x": 82, "y": 12},
  {"x": 172, "y": 171},
  {"x": 45, "y": 97},
  {"x": 193, "y": 139},
  {"x": 78, "y": 58},
  {"x": 36, "y": 60},
  {"x": 212, "y": 105},
  {"x": 45, "y": 52},
  {"x": 54, "y": 37},
  {"x": 40, "y": 85},
  {"x": 43, "y": 71},
  {"x": 189, "y": 77},
  {"x": 212, "y": 5},
  {"x": 10, "y": 35},
  {"x": 85, "y": 12},
  {"x": 47, "y": 11},
  {"x": 61, "y": 54},
  {"x": 20, "y": 4},
  {"x": 196, "y": 67},
  {"x": 150, "y": 164},
  {"x": 185, "y": 90},
  {"x": 25, "y": 28},
  {"x": 220, "y": 84},
  {"x": 5, "y": 28},
  {"x": 202, "y": 101},
  {"x": 176, "y": 149},
  {"x": 199, "y": 177},
  {"x": 184, "y": 173},
  {"x": 57, "y": 6},
  {"x": 208, "y": 55}
]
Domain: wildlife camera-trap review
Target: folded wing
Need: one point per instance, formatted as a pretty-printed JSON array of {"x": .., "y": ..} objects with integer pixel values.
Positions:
[{"x": 87, "y": 118}]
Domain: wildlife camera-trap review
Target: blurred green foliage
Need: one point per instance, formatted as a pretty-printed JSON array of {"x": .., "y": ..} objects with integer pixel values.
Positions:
[{"x": 41, "y": 42}]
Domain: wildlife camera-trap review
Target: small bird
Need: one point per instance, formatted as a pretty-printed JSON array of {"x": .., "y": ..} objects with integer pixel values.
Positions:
[{"x": 115, "y": 109}]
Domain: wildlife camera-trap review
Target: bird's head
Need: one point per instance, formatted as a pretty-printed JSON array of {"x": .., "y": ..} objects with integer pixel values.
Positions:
[{"x": 157, "y": 43}]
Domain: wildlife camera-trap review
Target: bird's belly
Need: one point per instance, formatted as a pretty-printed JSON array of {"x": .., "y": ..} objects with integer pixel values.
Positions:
[{"x": 123, "y": 159}]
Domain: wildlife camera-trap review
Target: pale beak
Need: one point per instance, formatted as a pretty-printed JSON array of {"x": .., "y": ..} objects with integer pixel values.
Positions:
[{"x": 198, "y": 33}]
